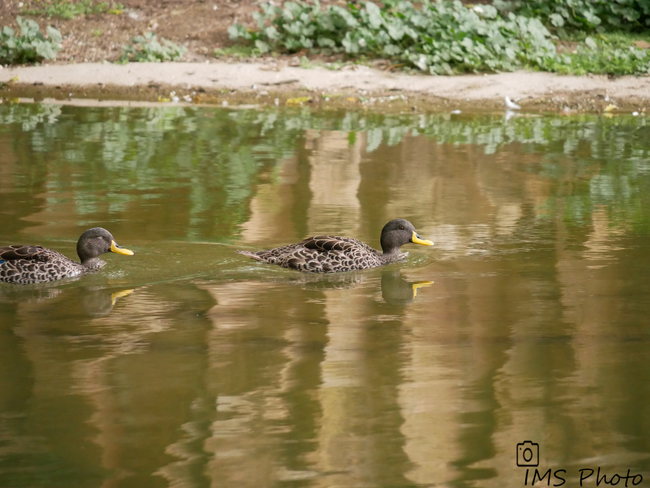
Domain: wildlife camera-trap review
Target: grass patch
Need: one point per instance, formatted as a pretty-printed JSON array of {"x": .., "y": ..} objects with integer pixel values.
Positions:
[
  {"x": 607, "y": 53},
  {"x": 237, "y": 51},
  {"x": 67, "y": 9}
]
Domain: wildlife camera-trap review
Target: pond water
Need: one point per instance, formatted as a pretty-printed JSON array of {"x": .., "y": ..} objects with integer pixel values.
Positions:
[{"x": 188, "y": 365}]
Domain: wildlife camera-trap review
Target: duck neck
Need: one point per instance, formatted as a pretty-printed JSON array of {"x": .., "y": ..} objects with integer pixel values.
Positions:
[
  {"x": 92, "y": 263},
  {"x": 391, "y": 251},
  {"x": 393, "y": 254}
]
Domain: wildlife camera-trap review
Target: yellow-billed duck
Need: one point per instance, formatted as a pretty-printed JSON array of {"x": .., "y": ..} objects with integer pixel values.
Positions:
[
  {"x": 24, "y": 264},
  {"x": 334, "y": 254}
]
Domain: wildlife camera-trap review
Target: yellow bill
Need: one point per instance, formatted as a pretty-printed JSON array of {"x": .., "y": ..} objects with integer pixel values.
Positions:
[
  {"x": 120, "y": 294},
  {"x": 120, "y": 250},
  {"x": 418, "y": 285},
  {"x": 416, "y": 239}
]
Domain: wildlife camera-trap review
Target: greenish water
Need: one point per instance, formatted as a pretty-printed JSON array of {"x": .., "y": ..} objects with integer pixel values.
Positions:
[{"x": 190, "y": 365}]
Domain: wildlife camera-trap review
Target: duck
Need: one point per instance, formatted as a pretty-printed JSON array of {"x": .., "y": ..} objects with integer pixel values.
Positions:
[
  {"x": 25, "y": 264},
  {"x": 335, "y": 254}
]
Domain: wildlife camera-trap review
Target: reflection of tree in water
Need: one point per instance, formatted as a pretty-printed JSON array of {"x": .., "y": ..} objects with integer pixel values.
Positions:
[{"x": 213, "y": 158}]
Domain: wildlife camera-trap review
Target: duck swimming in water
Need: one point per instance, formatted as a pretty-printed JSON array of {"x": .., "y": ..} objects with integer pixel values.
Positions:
[
  {"x": 334, "y": 254},
  {"x": 35, "y": 264}
]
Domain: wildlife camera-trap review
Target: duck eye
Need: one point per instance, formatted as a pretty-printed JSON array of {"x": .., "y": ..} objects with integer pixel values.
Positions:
[{"x": 401, "y": 227}]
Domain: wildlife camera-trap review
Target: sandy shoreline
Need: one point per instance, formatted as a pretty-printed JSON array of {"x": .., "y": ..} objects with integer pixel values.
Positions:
[{"x": 257, "y": 83}]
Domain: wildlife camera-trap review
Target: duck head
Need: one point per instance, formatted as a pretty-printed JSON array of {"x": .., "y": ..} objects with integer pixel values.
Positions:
[
  {"x": 95, "y": 242},
  {"x": 398, "y": 232}
]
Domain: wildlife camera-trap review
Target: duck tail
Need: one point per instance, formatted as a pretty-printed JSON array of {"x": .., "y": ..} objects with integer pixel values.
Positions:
[{"x": 250, "y": 254}]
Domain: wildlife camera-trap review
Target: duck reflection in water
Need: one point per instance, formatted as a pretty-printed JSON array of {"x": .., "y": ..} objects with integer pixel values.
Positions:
[
  {"x": 51, "y": 300},
  {"x": 100, "y": 302},
  {"x": 395, "y": 290}
]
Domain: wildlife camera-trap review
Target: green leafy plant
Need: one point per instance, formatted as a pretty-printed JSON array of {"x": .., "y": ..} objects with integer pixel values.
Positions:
[
  {"x": 439, "y": 37},
  {"x": 583, "y": 14},
  {"x": 30, "y": 46},
  {"x": 67, "y": 9},
  {"x": 147, "y": 49}
]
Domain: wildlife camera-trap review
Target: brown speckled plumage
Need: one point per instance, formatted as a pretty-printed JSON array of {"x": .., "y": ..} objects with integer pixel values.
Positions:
[
  {"x": 333, "y": 254},
  {"x": 24, "y": 264}
]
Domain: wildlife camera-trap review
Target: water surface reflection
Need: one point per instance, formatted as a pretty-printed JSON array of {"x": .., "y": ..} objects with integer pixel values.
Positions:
[{"x": 189, "y": 365}]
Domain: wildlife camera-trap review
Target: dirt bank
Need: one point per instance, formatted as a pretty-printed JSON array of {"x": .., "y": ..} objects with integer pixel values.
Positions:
[{"x": 261, "y": 83}]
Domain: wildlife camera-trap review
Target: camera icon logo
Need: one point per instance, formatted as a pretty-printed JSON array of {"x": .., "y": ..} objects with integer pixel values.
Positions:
[{"x": 528, "y": 453}]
